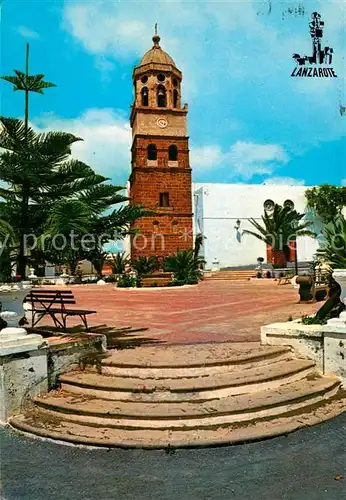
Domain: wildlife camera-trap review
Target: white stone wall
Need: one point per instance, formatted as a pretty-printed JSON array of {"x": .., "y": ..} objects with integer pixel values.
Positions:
[{"x": 217, "y": 208}]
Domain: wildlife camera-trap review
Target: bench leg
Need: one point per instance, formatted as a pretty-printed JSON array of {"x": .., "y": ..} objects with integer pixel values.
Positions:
[
  {"x": 83, "y": 318},
  {"x": 34, "y": 321},
  {"x": 57, "y": 323}
]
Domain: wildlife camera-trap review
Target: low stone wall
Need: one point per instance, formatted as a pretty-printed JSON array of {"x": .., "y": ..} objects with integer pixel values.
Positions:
[
  {"x": 22, "y": 376},
  {"x": 26, "y": 374},
  {"x": 318, "y": 342},
  {"x": 64, "y": 356}
]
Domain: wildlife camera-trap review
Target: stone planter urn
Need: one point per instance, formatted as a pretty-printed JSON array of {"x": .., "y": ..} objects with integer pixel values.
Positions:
[
  {"x": 14, "y": 338},
  {"x": 305, "y": 285},
  {"x": 340, "y": 277},
  {"x": 64, "y": 278}
]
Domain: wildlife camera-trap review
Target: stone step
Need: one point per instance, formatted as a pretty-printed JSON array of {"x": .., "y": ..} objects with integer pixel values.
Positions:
[
  {"x": 225, "y": 411},
  {"x": 190, "y": 360},
  {"x": 203, "y": 388},
  {"x": 49, "y": 424},
  {"x": 232, "y": 275}
]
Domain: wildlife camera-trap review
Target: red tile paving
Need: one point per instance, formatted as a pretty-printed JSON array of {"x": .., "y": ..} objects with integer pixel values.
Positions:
[{"x": 215, "y": 311}]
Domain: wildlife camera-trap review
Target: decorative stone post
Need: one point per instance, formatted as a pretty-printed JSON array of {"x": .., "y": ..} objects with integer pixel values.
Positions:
[
  {"x": 23, "y": 363},
  {"x": 215, "y": 264},
  {"x": 32, "y": 275},
  {"x": 334, "y": 333},
  {"x": 340, "y": 323},
  {"x": 340, "y": 277},
  {"x": 64, "y": 278},
  {"x": 14, "y": 338}
]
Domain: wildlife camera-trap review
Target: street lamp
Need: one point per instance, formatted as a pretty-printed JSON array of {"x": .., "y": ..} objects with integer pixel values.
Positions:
[{"x": 295, "y": 225}]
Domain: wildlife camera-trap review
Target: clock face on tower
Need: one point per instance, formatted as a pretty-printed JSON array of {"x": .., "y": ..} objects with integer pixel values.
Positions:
[{"x": 162, "y": 122}]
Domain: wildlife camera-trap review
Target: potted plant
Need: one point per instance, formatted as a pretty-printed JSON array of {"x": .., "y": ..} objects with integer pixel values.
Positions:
[
  {"x": 333, "y": 251},
  {"x": 278, "y": 229}
]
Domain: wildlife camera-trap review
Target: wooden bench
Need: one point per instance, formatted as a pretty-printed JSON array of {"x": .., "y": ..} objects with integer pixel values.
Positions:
[
  {"x": 285, "y": 280},
  {"x": 53, "y": 303}
]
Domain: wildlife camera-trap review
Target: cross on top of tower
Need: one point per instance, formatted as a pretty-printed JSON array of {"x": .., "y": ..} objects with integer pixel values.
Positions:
[{"x": 156, "y": 38}]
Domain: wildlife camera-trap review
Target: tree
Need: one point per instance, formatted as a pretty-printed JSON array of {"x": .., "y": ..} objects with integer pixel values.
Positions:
[
  {"x": 63, "y": 195},
  {"x": 27, "y": 83},
  {"x": 199, "y": 238},
  {"x": 279, "y": 229},
  {"x": 328, "y": 201},
  {"x": 38, "y": 172},
  {"x": 6, "y": 242}
]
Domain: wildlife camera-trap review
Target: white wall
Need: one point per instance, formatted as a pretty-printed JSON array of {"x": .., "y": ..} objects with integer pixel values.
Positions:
[{"x": 219, "y": 206}]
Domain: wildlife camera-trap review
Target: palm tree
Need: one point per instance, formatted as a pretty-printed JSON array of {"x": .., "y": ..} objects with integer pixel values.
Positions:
[
  {"x": 333, "y": 250},
  {"x": 278, "y": 230},
  {"x": 145, "y": 265},
  {"x": 119, "y": 261},
  {"x": 27, "y": 83},
  {"x": 184, "y": 265},
  {"x": 199, "y": 261}
]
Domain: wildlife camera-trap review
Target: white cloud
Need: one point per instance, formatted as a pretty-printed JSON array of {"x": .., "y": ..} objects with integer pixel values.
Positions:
[
  {"x": 206, "y": 157},
  {"x": 343, "y": 182},
  {"x": 106, "y": 140},
  {"x": 104, "y": 28},
  {"x": 26, "y": 32},
  {"x": 243, "y": 159},
  {"x": 284, "y": 181},
  {"x": 248, "y": 158}
]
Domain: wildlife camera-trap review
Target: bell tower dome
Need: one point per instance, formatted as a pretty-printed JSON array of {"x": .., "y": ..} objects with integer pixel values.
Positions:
[{"x": 161, "y": 174}]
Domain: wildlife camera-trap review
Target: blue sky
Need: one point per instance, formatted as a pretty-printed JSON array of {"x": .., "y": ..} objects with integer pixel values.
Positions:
[{"x": 249, "y": 120}]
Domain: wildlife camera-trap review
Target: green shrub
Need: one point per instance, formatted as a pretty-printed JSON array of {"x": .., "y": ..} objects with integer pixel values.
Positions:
[
  {"x": 191, "y": 282},
  {"x": 176, "y": 283},
  {"x": 312, "y": 320},
  {"x": 145, "y": 265},
  {"x": 333, "y": 250},
  {"x": 126, "y": 281},
  {"x": 185, "y": 266}
]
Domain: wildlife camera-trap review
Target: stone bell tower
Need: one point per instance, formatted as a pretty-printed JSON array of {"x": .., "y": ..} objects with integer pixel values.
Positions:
[{"x": 161, "y": 175}]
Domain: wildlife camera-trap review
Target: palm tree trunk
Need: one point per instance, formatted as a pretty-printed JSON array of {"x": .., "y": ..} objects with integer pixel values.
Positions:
[{"x": 25, "y": 193}]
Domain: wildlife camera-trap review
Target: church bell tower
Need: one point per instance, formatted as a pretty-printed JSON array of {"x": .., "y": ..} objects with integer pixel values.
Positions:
[{"x": 161, "y": 175}]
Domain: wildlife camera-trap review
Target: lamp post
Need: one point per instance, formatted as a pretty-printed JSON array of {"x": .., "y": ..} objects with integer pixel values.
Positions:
[
  {"x": 295, "y": 256},
  {"x": 295, "y": 225}
]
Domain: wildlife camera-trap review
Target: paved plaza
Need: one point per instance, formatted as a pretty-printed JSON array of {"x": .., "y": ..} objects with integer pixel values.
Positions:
[{"x": 213, "y": 311}]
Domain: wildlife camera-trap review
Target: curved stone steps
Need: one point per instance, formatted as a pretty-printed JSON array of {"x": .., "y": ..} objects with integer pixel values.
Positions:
[
  {"x": 46, "y": 424},
  {"x": 201, "y": 388},
  {"x": 190, "y": 360},
  {"x": 225, "y": 411}
]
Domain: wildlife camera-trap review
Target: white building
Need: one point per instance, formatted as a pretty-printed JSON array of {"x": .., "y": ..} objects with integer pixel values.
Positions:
[{"x": 221, "y": 213}]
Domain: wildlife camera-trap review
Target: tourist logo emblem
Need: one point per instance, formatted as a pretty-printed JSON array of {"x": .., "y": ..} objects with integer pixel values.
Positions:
[{"x": 319, "y": 63}]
